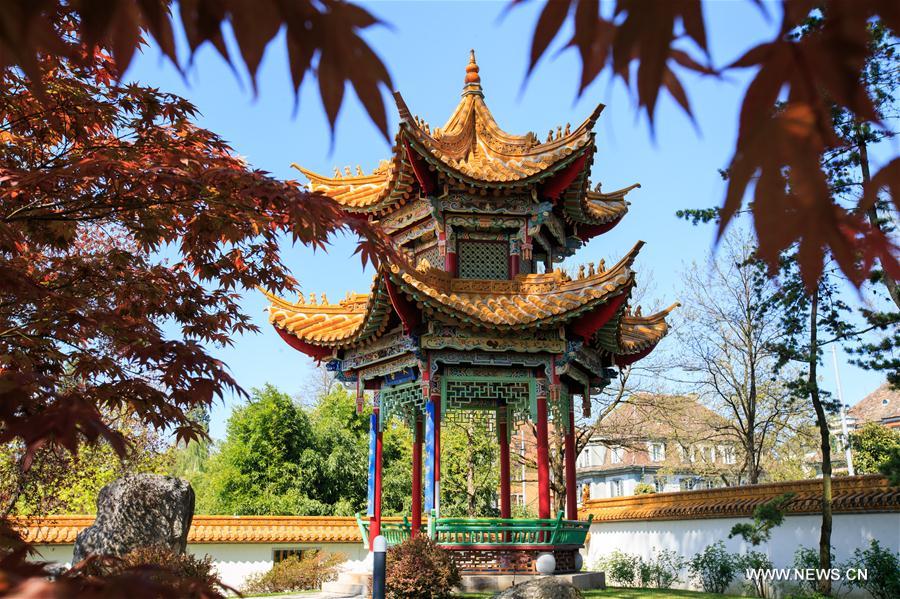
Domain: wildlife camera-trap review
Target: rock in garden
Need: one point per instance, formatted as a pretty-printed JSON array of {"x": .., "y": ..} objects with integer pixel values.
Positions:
[
  {"x": 546, "y": 587},
  {"x": 142, "y": 510}
]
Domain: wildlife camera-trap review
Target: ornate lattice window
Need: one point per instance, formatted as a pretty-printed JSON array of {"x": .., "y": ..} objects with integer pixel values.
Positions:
[
  {"x": 483, "y": 260},
  {"x": 432, "y": 254}
]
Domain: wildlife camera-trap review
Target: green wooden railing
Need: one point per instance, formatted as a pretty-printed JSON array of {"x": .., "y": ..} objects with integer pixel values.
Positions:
[
  {"x": 393, "y": 532},
  {"x": 487, "y": 531},
  {"x": 498, "y": 531}
]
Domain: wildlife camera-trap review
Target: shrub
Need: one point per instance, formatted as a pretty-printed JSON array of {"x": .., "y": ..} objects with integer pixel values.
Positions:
[
  {"x": 661, "y": 571},
  {"x": 622, "y": 569},
  {"x": 629, "y": 570},
  {"x": 714, "y": 567},
  {"x": 644, "y": 489},
  {"x": 296, "y": 574},
  {"x": 756, "y": 560},
  {"x": 182, "y": 573},
  {"x": 882, "y": 568},
  {"x": 805, "y": 558},
  {"x": 419, "y": 569}
]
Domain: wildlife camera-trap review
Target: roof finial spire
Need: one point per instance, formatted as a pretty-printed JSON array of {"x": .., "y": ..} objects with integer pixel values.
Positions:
[{"x": 473, "y": 79}]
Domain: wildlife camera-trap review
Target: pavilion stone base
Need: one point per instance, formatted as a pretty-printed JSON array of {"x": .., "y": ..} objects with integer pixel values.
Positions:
[
  {"x": 508, "y": 560},
  {"x": 498, "y": 582}
]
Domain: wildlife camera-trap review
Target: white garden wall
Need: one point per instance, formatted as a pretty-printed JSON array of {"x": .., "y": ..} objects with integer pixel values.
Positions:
[
  {"x": 234, "y": 561},
  {"x": 865, "y": 507}
]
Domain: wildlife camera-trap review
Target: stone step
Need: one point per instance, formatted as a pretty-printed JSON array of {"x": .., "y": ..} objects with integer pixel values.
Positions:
[
  {"x": 343, "y": 588},
  {"x": 356, "y": 577}
]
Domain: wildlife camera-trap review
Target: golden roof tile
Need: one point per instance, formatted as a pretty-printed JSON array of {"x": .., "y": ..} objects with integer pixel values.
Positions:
[
  {"x": 390, "y": 184},
  {"x": 353, "y": 319},
  {"x": 524, "y": 301},
  {"x": 851, "y": 494},
  {"x": 601, "y": 208},
  {"x": 62, "y": 530},
  {"x": 473, "y": 144},
  {"x": 637, "y": 333}
]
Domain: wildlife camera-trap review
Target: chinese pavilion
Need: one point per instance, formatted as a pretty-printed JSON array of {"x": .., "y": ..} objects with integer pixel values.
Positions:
[{"x": 479, "y": 323}]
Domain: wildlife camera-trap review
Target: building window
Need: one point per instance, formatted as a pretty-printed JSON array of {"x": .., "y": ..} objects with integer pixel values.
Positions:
[
  {"x": 728, "y": 455},
  {"x": 687, "y": 484},
  {"x": 657, "y": 452},
  {"x": 709, "y": 483},
  {"x": 279, "y": 555},
  {"x": 686, "y": 454},
  {"x": 615, "y": 488},
  {"x": 615, "y": 455},
  {"x": 659, "y": 484},
  {"x": 483, "y": 260}
]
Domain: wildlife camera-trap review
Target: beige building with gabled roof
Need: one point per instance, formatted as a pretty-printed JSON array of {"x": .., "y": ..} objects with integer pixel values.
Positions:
[
  {"x": 670, "y": 442},
  {"x": 881, "y": 406}
]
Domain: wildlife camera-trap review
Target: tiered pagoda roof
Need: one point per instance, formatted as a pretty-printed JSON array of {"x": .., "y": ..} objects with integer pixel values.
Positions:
[{"x": 544, "y": 183}]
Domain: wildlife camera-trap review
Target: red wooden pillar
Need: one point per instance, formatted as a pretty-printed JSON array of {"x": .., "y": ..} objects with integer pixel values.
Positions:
[
  {"x": 571, "y": 493},
  {"x": 451, "y": 262},
  {"x": 417, "y": 478},
  {"x": 543, "y": 457},
  {"x": 503, "y": 434},
  {"x": 513, "y": 265},
  {"x": 375, "y": 521}
]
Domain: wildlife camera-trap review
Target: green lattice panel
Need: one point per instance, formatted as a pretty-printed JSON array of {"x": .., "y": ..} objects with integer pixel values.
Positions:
[
  {"x": 559, "y": 410},
  {"x": 486, "y": 393},
  {"x": 473, "y": 419},
  {"x": 404, "y": 401},
  {"x": 483, "y": 260}
]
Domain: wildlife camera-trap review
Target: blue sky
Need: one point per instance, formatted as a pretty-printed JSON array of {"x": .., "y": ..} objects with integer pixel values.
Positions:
[{"x": 426, "y": 50}]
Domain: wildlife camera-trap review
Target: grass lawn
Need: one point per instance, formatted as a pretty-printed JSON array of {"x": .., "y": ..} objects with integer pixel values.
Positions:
[{"x": 623, "y": 593}]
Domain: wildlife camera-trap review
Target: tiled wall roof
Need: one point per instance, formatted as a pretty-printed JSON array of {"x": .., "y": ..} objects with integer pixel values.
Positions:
[
  {"x": 62, "y": 530},
  {"x": 851, "y": 495}
]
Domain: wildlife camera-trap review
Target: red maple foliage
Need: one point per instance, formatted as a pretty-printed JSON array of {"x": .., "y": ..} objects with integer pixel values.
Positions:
[
  {"x": 319, "y": 34},
  {"x": 97, "y": 183},
  {"x": 121, "y": 220},
  {"x": 778, "y": 152}
]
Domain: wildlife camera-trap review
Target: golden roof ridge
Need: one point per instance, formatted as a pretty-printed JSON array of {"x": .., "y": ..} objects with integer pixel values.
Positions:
[
  {"x": 618, "y": 194},
  {"x": 473, "y": 143}
]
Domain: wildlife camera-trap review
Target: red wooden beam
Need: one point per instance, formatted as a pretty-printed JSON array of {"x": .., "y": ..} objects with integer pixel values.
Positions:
[
  {"x": 406, "y": 310},
  {"x": 630, "y": 359},
  {"x": 555, "y": 185},
  {"x": 313, "y": 351},
  {"x": 585, "y": 326},
  {"x": 588, "y": 232},
  {"x": 420, "y": 169},
  {"x": 543, "y": 458}
]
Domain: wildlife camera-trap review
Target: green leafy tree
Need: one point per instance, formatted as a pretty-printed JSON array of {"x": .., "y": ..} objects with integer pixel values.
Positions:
[
  {"x": 190, "y": 457},
  {"x": 268, "y": 464},
  {"x": 469, "y": 470},
  {"x": 59, "y": 482},
  {"x": 280, "y": 457},
  {"x": 872, "y": 447},
  {"x": 766, "y": 516}
]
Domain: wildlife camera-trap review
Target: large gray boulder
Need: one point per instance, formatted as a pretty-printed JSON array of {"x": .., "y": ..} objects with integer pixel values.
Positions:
[
  {"x": 545, "y": 587},
  {"x": 141, "y": 510}
]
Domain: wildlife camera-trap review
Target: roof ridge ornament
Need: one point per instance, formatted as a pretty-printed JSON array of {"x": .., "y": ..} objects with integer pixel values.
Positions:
[{"x": 473, "y": 79}]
